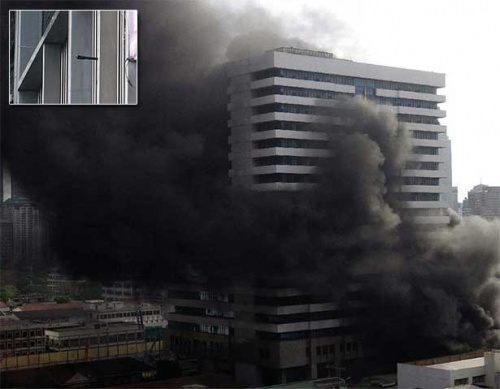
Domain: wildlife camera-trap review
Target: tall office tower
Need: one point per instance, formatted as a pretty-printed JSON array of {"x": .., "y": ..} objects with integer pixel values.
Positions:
[
  {"x": 74, "y": 57},
  {"x": 11, "y": 187},
  {"x": 275, "y": 142},
  {"x": 6, "y": 236},
  {"x": 484, "y": 201},
  {"x": 28, "y": 233}
]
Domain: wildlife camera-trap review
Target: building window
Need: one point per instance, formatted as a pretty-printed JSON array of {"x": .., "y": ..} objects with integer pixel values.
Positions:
[
  {"x": 417, "y": 165},
  {"x": 425, "y": 135},
  {"x": 429, "y": 181},
  {"x": 264, "y": 354},
  {"x": 461, "y": 381},
  {"x": 318, "y": 351},
  {"x": 285, "y": 177},
  {"x": 426, "y": 150},
  {"x": 479, "y": 379},
  {"x": 407, "y": 196}
]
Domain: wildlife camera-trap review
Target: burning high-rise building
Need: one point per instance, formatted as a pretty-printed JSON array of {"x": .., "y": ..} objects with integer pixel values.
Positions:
[{"x": 277, "y": 139}]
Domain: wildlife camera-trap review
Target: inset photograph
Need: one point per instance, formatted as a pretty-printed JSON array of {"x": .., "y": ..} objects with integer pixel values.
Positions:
[{"x": 73, "y": 57}]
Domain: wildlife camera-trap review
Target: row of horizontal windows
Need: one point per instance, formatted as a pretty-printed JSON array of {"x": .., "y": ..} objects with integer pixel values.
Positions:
[
  {"x": 195, "y": 311},
  {"x": 410, "y": 196},
  {"x": 291, "y": 143},
  {"x": 12, "y": 334},
  {"x": 197, "y": 347},
  {"x": 7, "y": 344},
  {"x": 432, "y": 181},
  {"x": 300, "y": 92},
  {"x": 203, "y": 296},
  {"x": 192, "y": 327},
  {"x": 214, "y": 296},
  {"x": 329, "y": 350},
  {"x": 397, "y": 102},
  {"x": 412, "y": 212},
  {"x": 343, "y": 80},
  {"x": 290, "y": 126},
  {"x": 275, "y": 301},
  {"x": 419, "y": 165},
  {"x": 296, "y": 126},
  {"x": 323, "y": 94},
  {"x": 285, "y": 177},
  {"x": 286, "y": 160},
  {"x": 305, "y": 316},
  {"x": 287, "y": 108},
  {"x": 417, "y": 119},
  {"x": 425, "y": 135},
  {"x": 426, "y": 150},
  {"x": 305, "y": 334},
  {"x": 127, "y": 314},
  {"x": 93, "y": 340}
]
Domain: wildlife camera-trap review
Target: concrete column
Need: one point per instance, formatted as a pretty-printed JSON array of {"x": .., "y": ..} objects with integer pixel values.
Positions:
[
  {"x": 108, "y": 58},
  {"x": 80, "y": 37},
  {"x": 51, "y": 81},
  {"x": 29, "y": 31}
]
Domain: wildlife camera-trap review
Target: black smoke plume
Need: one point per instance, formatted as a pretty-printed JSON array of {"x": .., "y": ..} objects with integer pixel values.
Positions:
[{"x": 143, "y": 191}]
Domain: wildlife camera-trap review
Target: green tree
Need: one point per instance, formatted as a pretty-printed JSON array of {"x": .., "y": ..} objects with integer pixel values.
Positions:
[
  {"x": 7, "y": 293},
  {"x": 62, "y": 299}
]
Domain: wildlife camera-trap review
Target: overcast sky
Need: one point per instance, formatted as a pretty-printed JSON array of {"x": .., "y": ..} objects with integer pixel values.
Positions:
[{"x": 456, "y": 37}]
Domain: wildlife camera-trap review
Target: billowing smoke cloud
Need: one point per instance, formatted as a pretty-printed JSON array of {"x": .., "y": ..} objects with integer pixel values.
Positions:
[{"x": 143, "y": 191}]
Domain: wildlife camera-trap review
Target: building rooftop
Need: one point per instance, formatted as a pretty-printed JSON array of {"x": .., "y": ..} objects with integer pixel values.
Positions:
[
  {"x": 48, "y": 307},
  {"x": 96, "y": 326},
  {"x": 459, "y": 365},
  {"x": 310, "y": 53},
  {"x": 6, "y": 325}
]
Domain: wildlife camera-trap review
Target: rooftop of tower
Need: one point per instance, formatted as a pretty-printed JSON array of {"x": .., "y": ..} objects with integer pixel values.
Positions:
[{"x": 310, "y": 53}]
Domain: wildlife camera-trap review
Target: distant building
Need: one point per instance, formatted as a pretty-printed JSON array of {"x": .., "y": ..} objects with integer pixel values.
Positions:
[
  {"x": 21, "y": 337},
  {"x": 6, "y": 235},
  {"x": 60, "y": 284},
  {"x": 23, "y": 223},
  {"x": 121, "y": 290},
  {"x": 455, "y": 205},
  {"x": 484, "y": 201},
  {"x": 473, "y": 370},
  {"x": 130, "y": 312},
  {"x": 131, "y": 290},
  {"x": 74, "y": 57}
]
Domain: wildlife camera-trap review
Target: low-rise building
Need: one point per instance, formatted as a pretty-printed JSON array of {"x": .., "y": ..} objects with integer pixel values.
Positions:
[
  {"x": 53, "y": 315},
  {"x": 21, "y": 337},
  {"x": 93, "y": 335},
  {"x": 477, "y": 368},
  {"x": 146, "y": 314}
]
